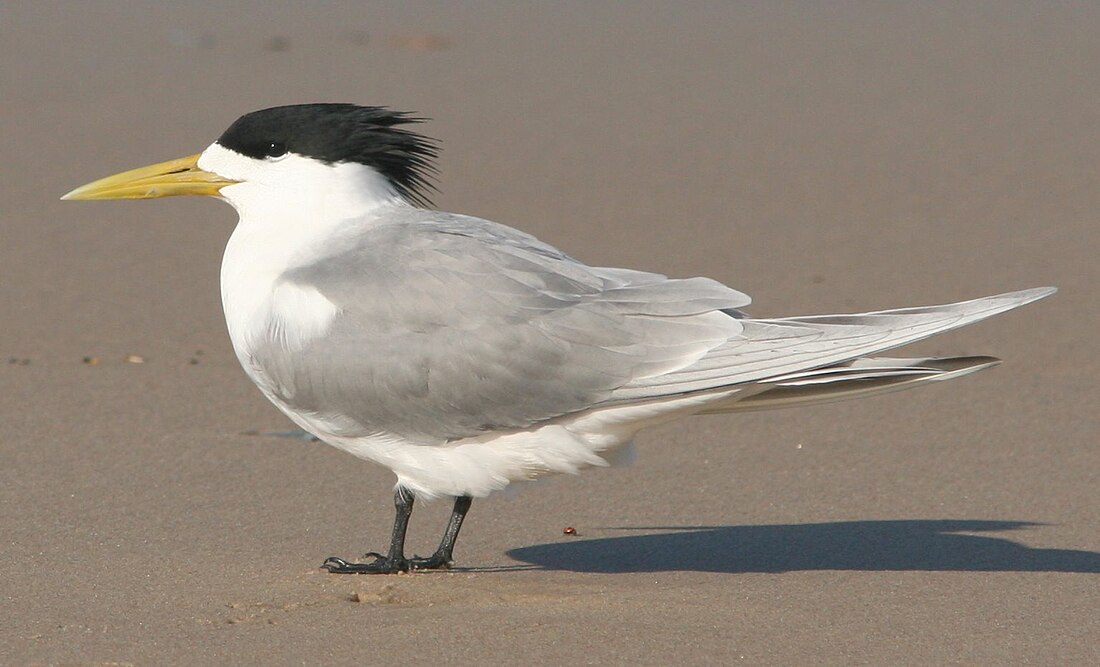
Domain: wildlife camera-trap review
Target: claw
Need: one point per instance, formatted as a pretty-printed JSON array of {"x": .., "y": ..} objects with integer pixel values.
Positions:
[
  {"x": 378, "y": 566},
  {"x": 333, "y": 562}
]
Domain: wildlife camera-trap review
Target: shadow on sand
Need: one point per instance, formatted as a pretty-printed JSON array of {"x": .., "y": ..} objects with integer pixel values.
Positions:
[{"x": 934, "y": 544}]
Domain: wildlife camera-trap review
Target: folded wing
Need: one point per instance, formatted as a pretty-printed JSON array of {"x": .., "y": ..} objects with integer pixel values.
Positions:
[{"x": 449, "y": 326}]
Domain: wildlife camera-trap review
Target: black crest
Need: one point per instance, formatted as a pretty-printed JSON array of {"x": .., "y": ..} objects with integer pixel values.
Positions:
[{"x": 336, "y": 133}]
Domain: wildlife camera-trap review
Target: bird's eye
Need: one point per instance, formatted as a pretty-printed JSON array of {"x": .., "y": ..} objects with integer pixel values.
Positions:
[{"x": 275, "y": 149}]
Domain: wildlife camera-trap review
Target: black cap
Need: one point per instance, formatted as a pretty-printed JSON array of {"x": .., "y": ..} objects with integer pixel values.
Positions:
[{"x": 336, "y": 133}]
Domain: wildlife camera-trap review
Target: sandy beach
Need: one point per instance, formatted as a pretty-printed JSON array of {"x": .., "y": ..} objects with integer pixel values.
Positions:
[{"x": 821, "y": 157}]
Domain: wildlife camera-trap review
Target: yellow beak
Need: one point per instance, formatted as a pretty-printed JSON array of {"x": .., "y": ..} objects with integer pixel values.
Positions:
[{"x": 166, "y": 179}]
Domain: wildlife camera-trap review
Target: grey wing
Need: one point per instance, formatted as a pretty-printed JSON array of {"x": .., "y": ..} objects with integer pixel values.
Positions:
[{"x": 451, "y": 326}]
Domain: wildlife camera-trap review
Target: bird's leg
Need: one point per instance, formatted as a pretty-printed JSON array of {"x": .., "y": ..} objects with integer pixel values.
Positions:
[
  {"x": 442, "y": 556},
  {"x": 395, "y": 561}
]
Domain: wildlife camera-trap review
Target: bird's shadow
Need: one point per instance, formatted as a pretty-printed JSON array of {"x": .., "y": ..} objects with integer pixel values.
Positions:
[{"x": 922, "y": 544}]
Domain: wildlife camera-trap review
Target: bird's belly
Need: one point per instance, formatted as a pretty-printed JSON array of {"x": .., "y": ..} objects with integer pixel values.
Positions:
[{"x": 479, "y": 465}]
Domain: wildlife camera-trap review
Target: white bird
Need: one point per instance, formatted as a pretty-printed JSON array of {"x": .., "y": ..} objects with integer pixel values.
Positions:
[{"x": 465, "y": 355}]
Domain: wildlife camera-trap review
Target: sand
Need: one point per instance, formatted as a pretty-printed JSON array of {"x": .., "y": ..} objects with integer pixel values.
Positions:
[{"x": 822, "y": 157}]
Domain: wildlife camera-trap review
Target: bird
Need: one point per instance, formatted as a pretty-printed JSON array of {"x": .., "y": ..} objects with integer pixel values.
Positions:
[{"x": 466, "y": 355}]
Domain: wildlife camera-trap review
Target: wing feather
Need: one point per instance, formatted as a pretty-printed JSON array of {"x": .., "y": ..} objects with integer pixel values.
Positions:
[{"x": 449, "y": 326}]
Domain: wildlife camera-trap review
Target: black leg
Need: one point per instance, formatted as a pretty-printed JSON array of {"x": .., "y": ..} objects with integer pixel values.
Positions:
[
  {"x": 442, "y": 556},
  {"x": 395, "y": 560}
]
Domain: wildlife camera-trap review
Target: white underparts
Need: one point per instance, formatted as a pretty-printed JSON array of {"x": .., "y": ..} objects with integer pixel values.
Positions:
[{"x": 481, "y": 465}]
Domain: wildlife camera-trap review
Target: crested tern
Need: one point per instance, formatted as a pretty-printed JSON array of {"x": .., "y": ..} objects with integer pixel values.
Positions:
[{"x": 465, "y": 355}]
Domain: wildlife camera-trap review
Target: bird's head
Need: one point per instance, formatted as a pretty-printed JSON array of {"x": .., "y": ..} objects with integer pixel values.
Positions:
[{"x": 321, "y": 152}]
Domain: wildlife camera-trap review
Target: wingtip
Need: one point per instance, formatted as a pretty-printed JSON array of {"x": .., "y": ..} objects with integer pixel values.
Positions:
[
  {"x": 1024, "y": 296},
  {"x": 1037, "y": 293},
  {"x": 968, "y": 364}
]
